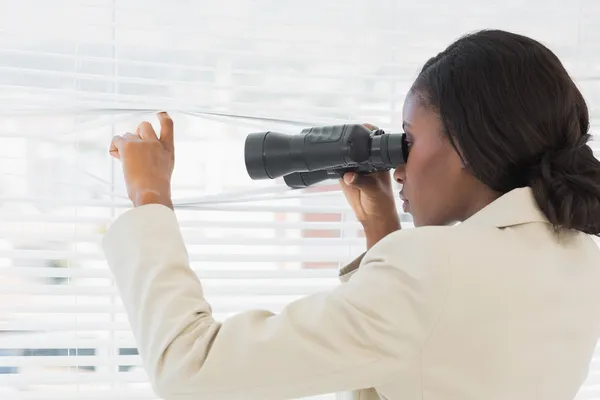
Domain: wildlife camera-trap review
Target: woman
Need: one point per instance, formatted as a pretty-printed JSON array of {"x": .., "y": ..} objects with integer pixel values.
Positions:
[{"x": 504, "y": 305}]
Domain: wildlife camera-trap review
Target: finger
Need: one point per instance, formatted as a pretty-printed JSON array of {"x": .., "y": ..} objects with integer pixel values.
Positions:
[
  {"x": 114, "y": 147},
  {"x": 146, "y": 131},
  {"x": 350, "y": 178},
  {"x": 117, "y": 143},
  {"x": 131, "y": 137},
  {"x": 370, "y": 127},
  {"x": 166, "y": 131},
  {"x": 369, "y": 184}
]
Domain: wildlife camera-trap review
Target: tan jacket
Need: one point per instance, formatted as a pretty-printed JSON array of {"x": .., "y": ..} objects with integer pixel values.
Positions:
[{"x": 498, "y": 307}]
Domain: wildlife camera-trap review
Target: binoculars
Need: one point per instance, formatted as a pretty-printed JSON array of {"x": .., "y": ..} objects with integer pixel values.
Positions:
[{"x": 321, "y": 153}]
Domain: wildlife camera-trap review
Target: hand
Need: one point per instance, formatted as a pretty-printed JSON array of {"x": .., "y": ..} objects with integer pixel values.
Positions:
[
  {"x": 372, "y": 200},
  {"x": 147, "y": 162}
]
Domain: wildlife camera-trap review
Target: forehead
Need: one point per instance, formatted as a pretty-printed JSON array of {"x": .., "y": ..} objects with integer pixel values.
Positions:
[{"x": 418, "y": 117}]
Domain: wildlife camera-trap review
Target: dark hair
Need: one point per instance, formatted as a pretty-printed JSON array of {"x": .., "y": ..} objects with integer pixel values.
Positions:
[{"x": 517, "y": 119}]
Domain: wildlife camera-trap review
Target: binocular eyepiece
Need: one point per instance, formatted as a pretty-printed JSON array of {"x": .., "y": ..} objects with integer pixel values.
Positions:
[{"x": 322, "y": 153}]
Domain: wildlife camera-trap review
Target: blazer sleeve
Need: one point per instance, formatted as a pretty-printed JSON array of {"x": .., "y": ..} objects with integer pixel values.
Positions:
[{"x": 359, "y": 335}]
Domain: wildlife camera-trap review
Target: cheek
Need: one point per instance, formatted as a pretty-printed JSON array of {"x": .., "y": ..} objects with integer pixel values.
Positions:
[
  {"x": 421, "y": 168},
  {"x": 432, "y": 162},
  {"x": 430, "y": 177}
]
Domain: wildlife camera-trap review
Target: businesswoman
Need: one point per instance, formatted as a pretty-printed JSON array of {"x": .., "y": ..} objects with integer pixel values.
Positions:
[{"x": 503, "y": 305}]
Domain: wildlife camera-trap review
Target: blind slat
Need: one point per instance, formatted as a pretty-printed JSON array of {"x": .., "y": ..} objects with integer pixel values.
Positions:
[
  {"x": 68, "y": 361},
  {"x": 239, "y": 274},
  {"x": 72, "y": 324},
  {"x": 71, "y": 377},
  {"x": 123, "y": 63},
  {"x": 281, "y": 288},
  {"x": 86, "y": 309},
  {"x": 199, "y": 85},
  {"x": 192, "y": 238},
  {"x": 45, "y": 340},
  {"x": 275, "y": 208},
  {"x": 74, "y": 394},
  {"x": 194, "y": 257}
]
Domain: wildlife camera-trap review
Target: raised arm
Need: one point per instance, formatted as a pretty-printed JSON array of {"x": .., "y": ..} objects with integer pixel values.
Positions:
[{"x": 362, "y": 334}]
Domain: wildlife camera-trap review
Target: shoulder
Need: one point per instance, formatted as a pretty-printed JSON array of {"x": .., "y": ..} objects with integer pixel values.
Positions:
[
  {"x": 434, "y": 243},
  {"x": 430, "y": 253},
  {"x": 405, "y": 279},
  {"x": 416, "y": 260},
  {"x": 418, "y": 245},
  {"x": 428, "y": 236}
]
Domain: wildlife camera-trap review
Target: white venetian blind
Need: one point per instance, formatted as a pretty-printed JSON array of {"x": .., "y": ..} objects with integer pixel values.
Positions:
[{"x": 73, "y": 73}]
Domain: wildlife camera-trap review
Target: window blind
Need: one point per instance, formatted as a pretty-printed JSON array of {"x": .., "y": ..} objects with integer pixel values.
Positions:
[{"x": 73, "y": 73}]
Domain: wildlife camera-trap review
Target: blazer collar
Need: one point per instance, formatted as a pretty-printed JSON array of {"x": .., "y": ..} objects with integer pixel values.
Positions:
[{"x": 513, "y": 208}]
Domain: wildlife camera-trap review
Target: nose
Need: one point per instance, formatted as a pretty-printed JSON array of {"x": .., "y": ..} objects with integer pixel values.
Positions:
[{"x": 400, "y": 174}]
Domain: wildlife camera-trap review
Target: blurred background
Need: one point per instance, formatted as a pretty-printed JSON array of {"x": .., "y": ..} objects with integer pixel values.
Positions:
[{"x": 73, "y": 73}]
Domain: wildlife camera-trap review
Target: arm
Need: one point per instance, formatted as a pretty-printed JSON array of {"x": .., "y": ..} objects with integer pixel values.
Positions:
[
  {"x": 373, "y": 235},
  {"x": 359, "y": 335}
]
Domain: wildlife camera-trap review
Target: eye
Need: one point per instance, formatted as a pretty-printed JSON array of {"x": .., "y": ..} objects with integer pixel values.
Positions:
[{"x": 406, "y": 145}]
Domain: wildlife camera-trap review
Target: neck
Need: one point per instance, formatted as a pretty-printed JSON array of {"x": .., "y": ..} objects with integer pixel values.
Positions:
[{"x": 482, "y": 199}]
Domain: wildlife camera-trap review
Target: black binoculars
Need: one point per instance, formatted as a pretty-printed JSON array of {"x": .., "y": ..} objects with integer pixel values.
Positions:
[{"x": 321, "y": 153}]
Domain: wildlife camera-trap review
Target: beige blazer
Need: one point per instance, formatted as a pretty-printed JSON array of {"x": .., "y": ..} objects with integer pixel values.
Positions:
[{"x": 498, "y": 307}]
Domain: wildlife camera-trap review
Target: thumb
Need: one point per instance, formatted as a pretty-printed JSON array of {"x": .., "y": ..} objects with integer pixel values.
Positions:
[{"x": 166, "y": 131}]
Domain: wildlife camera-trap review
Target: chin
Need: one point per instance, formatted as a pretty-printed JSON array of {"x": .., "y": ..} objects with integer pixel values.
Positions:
[
  {"x": 419, "y": 222},
  {"x": 416, "y": 220}
]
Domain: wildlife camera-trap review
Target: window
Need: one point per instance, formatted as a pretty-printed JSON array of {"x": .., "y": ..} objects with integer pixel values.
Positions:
[{"x": 75, "y": 72}]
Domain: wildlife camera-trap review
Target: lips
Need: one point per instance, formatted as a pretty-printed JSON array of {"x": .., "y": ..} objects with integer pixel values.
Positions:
[
  {"x": 405, "y": 206},
  {"x": 405, "y": 203}
]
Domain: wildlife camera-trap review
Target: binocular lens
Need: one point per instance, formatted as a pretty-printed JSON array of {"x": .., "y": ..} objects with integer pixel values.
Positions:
[{"x": 268, "y": 155}]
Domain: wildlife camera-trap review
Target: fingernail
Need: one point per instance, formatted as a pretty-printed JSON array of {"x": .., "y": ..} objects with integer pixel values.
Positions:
[{"x": 350, "y": 177}]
